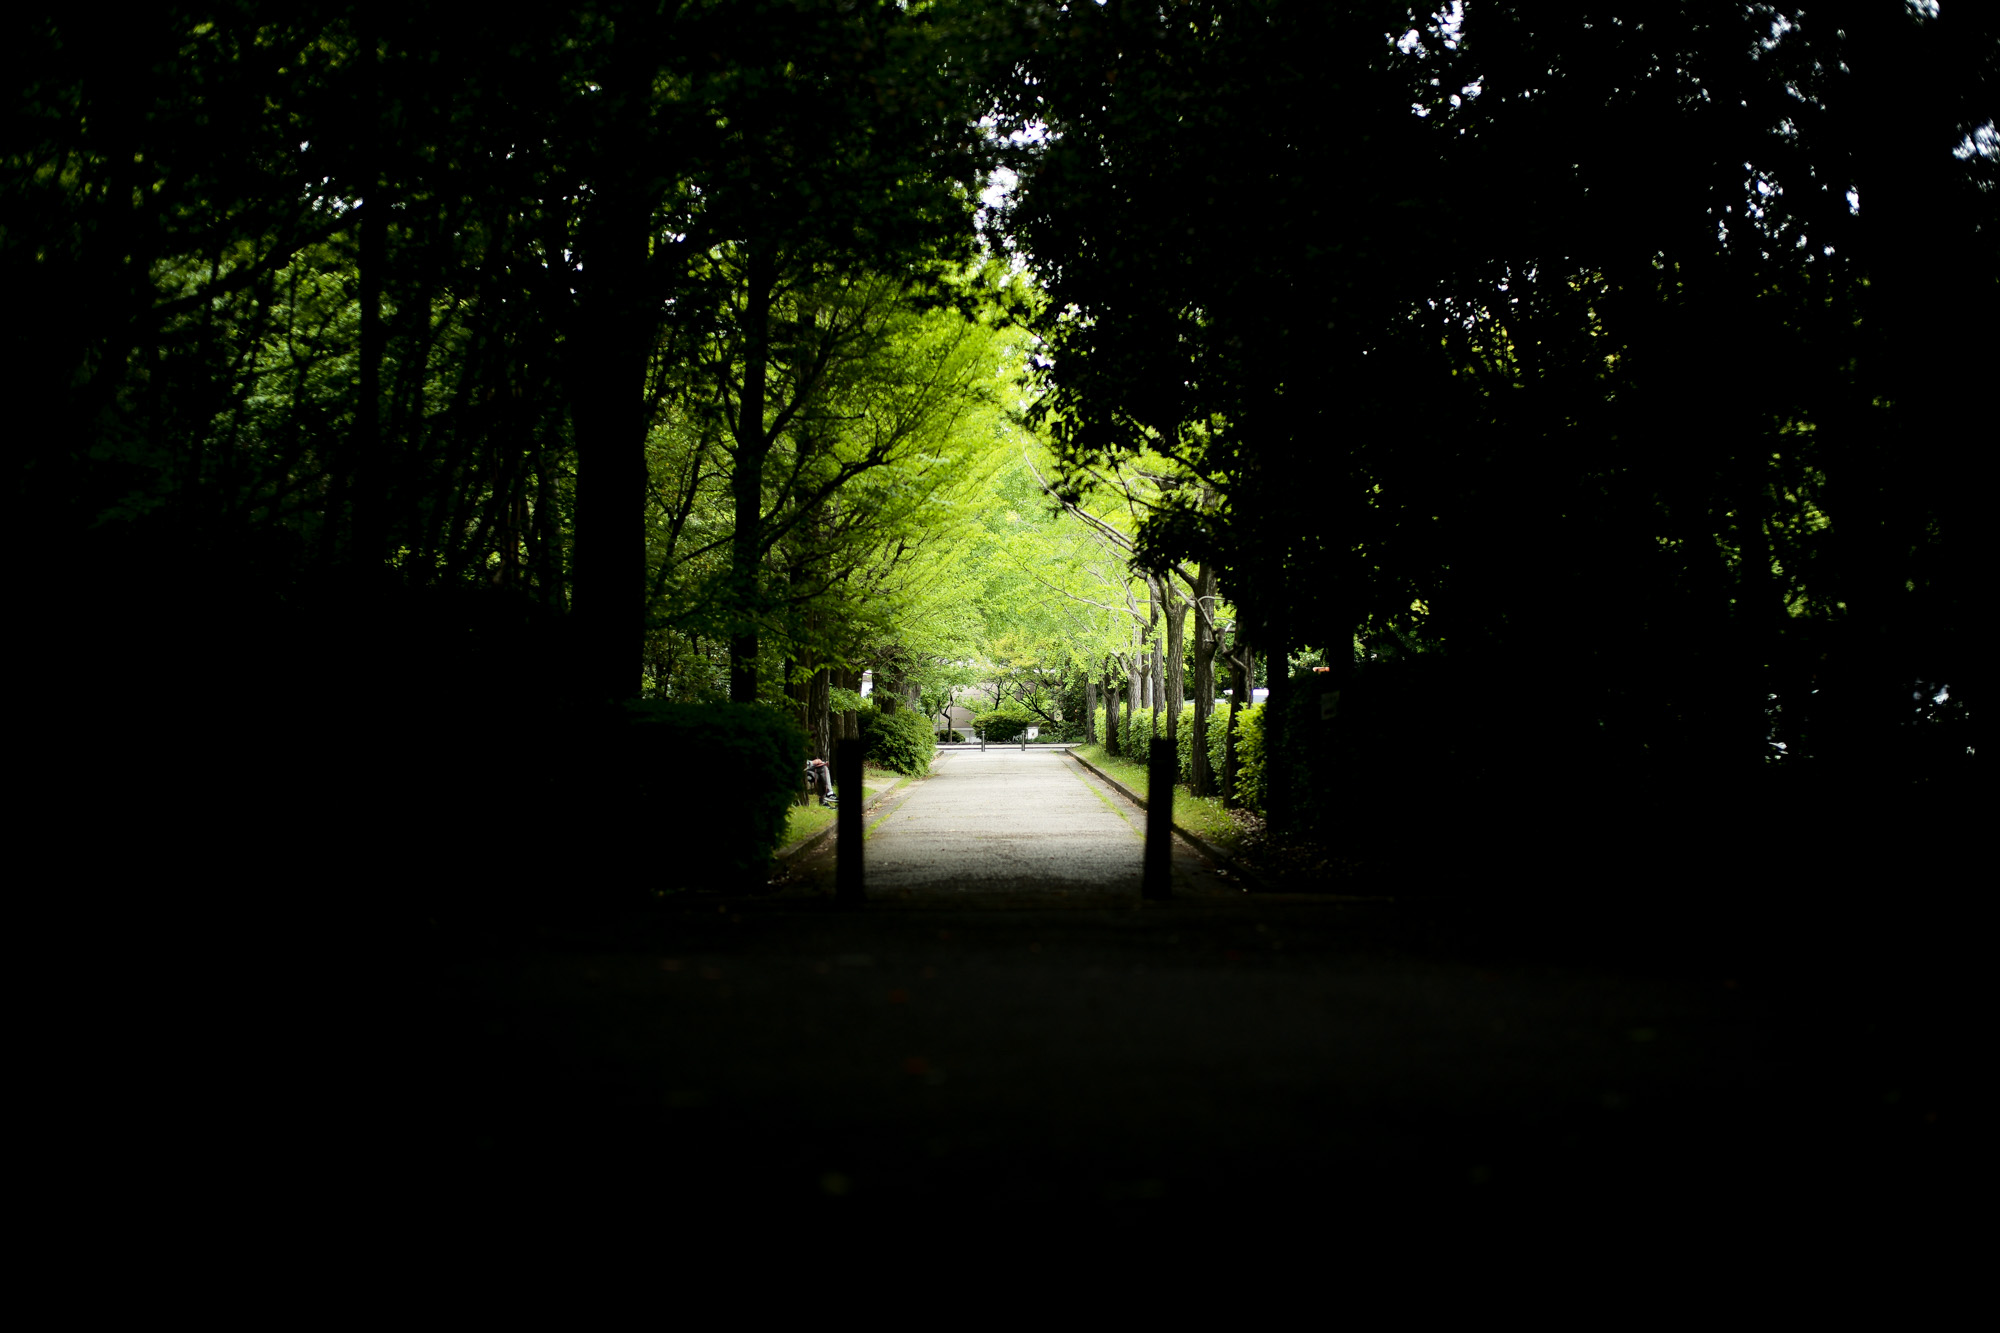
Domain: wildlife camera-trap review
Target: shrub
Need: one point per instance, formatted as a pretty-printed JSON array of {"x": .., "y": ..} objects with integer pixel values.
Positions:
[
  {"x": 1141, "y": 729},
  {"x": 901, "y": 741},
  {"x": 1004, "y": 723},
  {"x": 1218, "y": 721},
  {"x": 1250, "y": 762},
  {"x": 732, "y": 770},
  {"x": 1136, "y": 734},
  {"x": 1133, "y": 735}
]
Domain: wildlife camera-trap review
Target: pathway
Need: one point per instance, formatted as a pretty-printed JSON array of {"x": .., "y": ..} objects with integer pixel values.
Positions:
[{"x": 1010, "y": 820}]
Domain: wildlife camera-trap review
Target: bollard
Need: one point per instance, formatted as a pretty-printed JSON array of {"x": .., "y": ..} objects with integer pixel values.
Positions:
[
  {"x": 982, "y": 745},
  {"x": 1024, "y": 742},
  {"x": 1158, "y": 879},
  {"x": 849, "y": 889}
]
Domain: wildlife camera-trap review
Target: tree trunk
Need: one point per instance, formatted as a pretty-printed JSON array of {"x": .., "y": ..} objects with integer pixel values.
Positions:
[
  {"x": 608, "y": 346},
  {"x": 819, "y": 715},
  {"x": 1176, "y": 663},
  {"x": 796, "y": 693},
  {"x": 846, "y": 726},
  {"x": 888, "y": 692},
  {"x": 1277, "y": 685},
  {"x": 753, "y": 443},
  {"x": 1111, "y": 737},
  {"x": 1090, "y": 711},
  {"x": 607, "y": 413},
  {"x": 1133, "y": 677},
  {"x": 370, "y": 478},
  {"x": 371, "y": 497},
  {"x": 1201, "y": 779}
]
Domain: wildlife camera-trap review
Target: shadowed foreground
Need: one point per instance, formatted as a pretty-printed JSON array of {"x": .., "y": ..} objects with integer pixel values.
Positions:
[
  {"x": 1005, "y": 1034},
  {"x": 1284, "y": 1065}
]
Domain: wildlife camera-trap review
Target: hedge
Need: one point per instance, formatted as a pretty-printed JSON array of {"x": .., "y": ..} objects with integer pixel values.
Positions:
[
  {"x": 588, "y": 815},
  {"x": 728, "y": 774},
  {"x": 1137, "y": 733},
  {"x": 1252, "y": 772}
]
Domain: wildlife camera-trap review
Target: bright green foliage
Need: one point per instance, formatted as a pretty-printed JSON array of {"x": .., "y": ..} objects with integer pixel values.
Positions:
[
  {"x": 1052, "y": 597},
  {"x": 1134, "y": 733},
  {"x": 895, "y": 420},
  {"x": 901, "y": 741},
  {"x": 1184, "y": 741},
  {"x": 1140, "y": 732}
]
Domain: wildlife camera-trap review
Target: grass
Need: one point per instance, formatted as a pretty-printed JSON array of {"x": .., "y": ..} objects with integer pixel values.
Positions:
[
  {"x": 1200, "y": 815},
  {"x": 1116, "y": 808},
  {"x": 803, "y": 820}
]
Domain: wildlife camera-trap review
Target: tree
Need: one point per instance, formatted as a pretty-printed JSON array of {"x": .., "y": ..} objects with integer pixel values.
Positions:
[{"x": 1447, "y": 399}]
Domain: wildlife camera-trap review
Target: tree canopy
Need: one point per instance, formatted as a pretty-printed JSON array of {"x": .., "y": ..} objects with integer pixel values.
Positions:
[{"x": 1614, "y": 373}]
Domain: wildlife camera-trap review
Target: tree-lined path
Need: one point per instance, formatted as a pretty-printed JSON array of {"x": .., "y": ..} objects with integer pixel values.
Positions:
[
  {"x": 1520, "y": 402},
  {"x": 1009, "y": 820}
]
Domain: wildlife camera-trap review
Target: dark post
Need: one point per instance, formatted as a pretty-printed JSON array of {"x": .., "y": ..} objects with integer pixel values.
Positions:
[
  {"x": 1158, "y": 881},
  {"x": 849, "y": 887}
]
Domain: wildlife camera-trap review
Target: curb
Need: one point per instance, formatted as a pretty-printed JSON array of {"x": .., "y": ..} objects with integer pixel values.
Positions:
[{"x": 1199, "y": 843}]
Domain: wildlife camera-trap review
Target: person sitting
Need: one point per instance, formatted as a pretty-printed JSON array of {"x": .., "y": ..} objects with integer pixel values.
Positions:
[{"x": 820, "y": 778}]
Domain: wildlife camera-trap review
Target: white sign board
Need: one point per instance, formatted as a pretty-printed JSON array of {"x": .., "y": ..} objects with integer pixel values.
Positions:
[{"x": 1034, "y": 732}]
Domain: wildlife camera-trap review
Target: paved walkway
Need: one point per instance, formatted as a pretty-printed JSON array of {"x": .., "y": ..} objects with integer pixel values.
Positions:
[{"x": 1012, "y": 821}]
